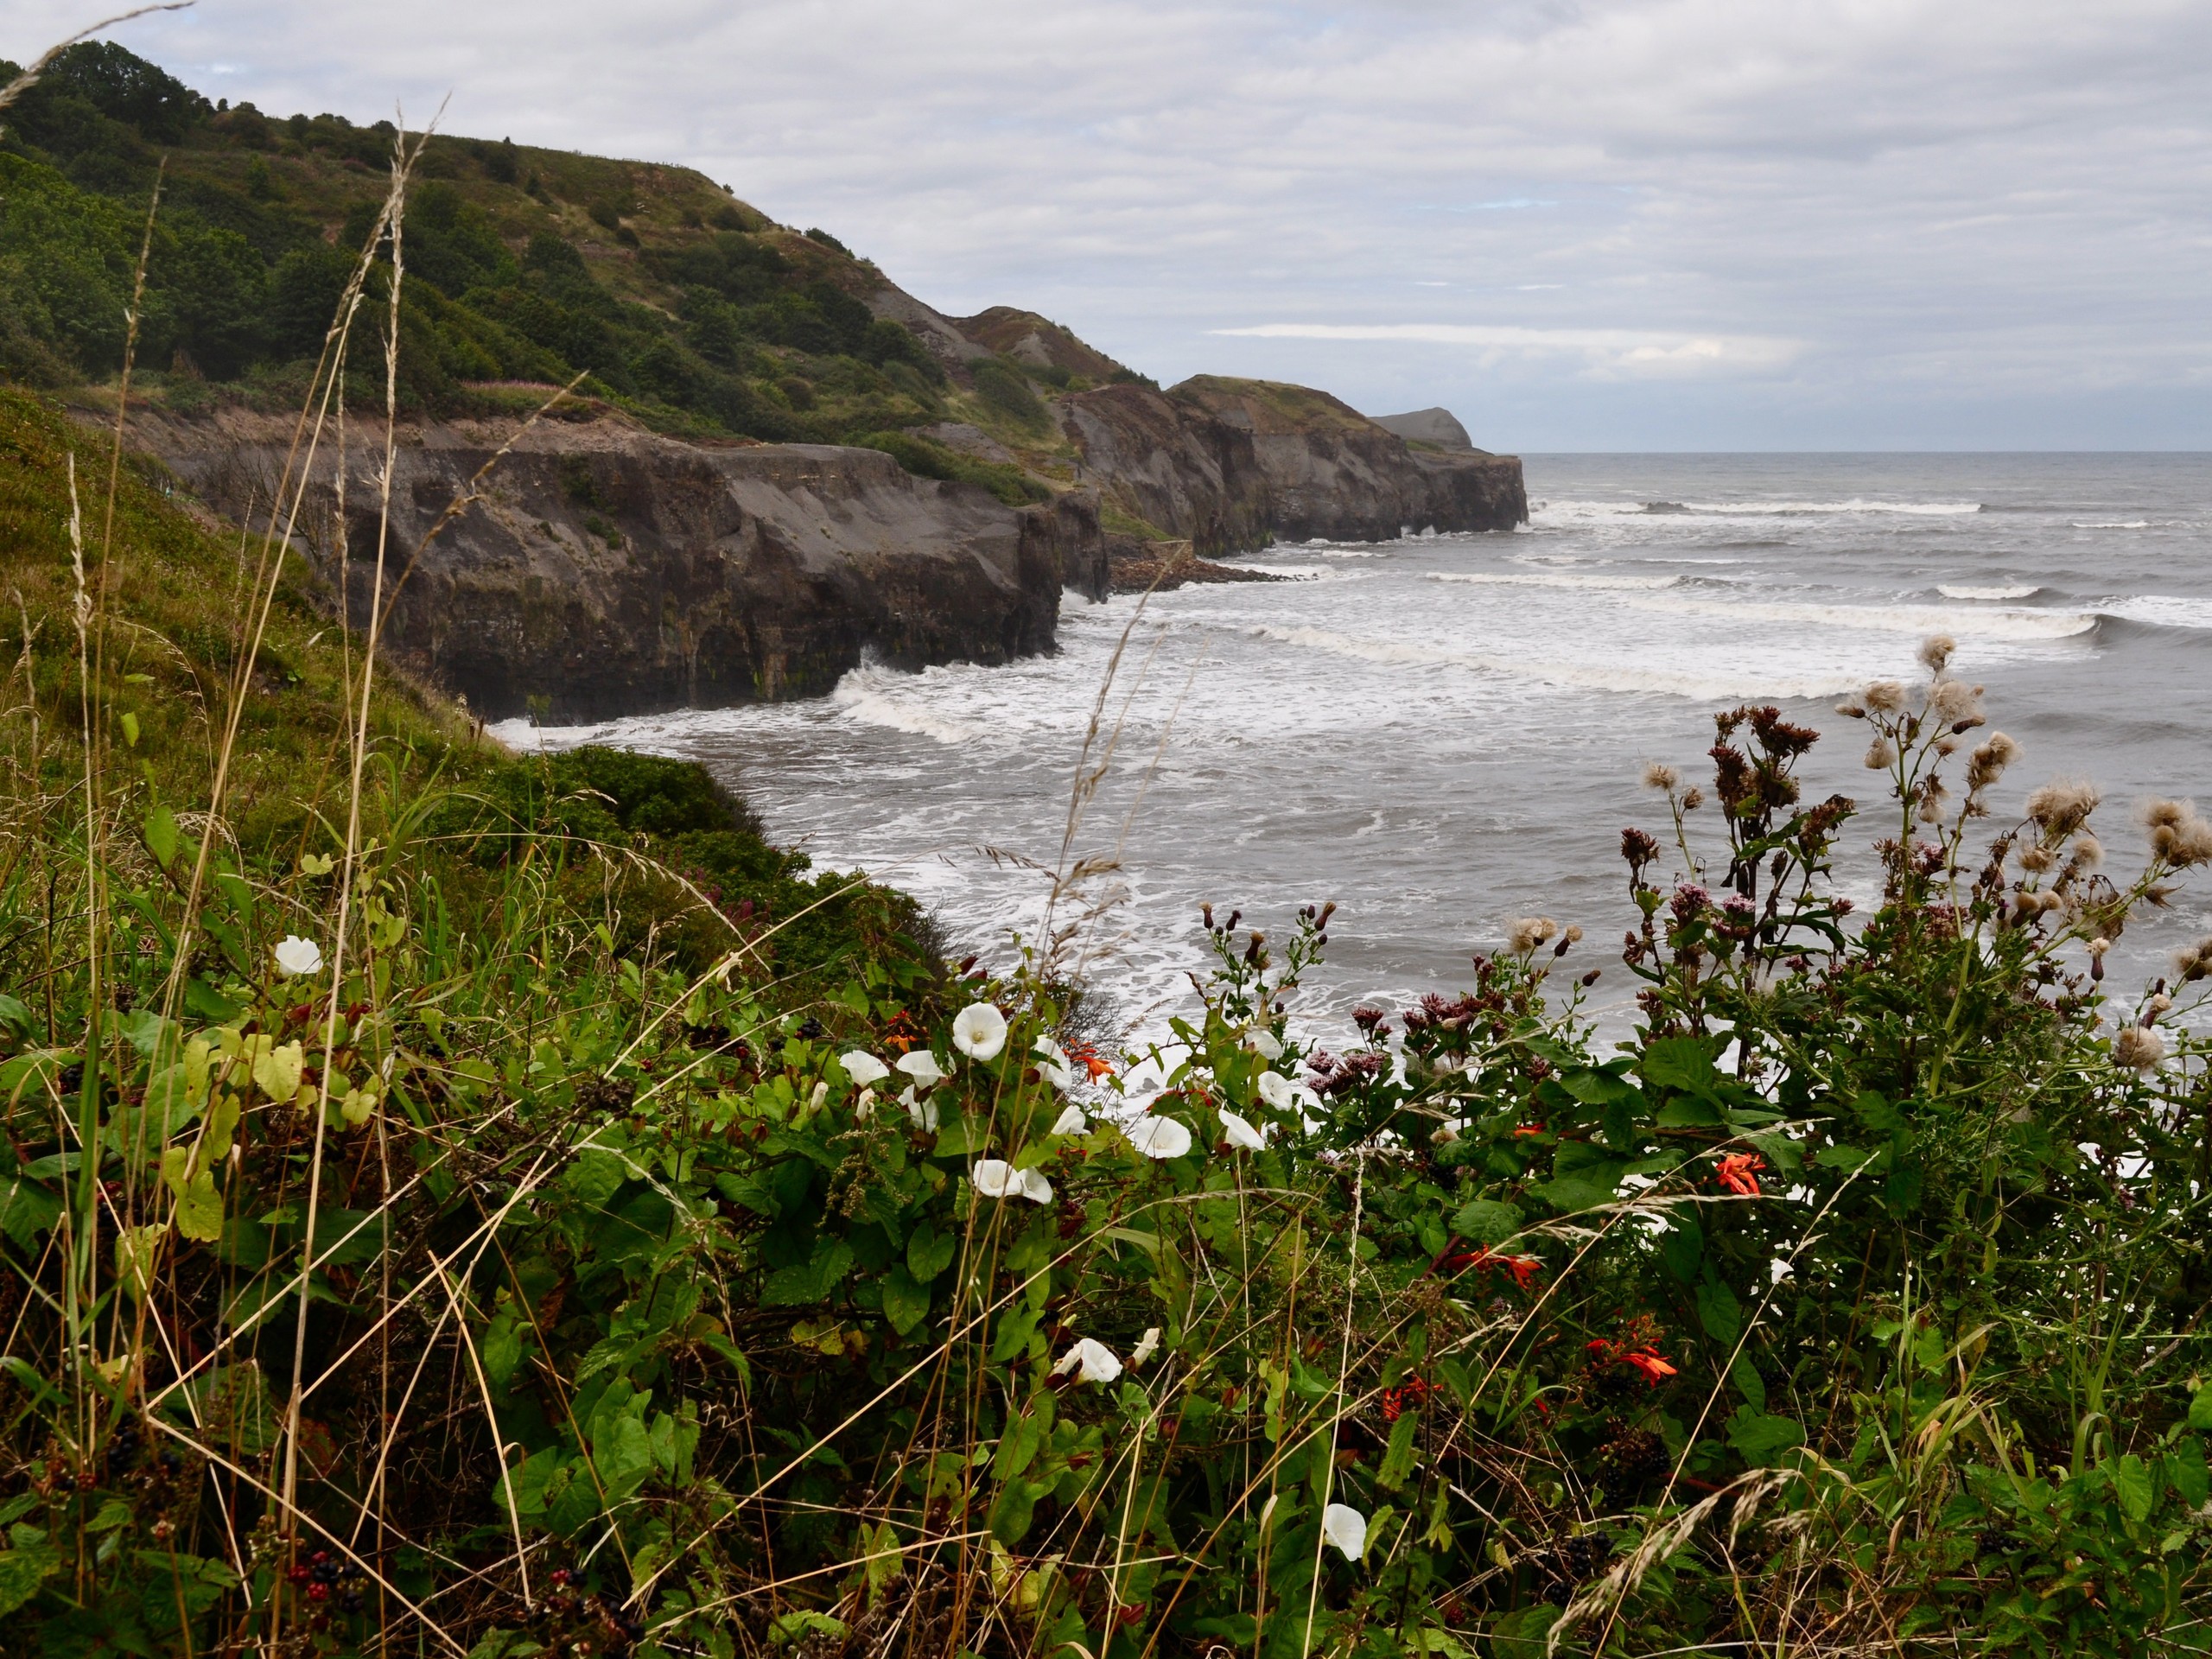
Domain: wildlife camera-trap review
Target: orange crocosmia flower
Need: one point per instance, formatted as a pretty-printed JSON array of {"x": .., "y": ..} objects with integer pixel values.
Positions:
[
  {"x": 1739, "y": 1173},
  {"x": 1524, "y": 1268},
  {"x": 1655, "y": 1370},
  {"x": 1531, "y": 1128}
]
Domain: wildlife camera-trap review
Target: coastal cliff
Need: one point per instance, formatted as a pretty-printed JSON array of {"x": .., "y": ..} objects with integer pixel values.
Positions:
[
  {"x": 608, "y": 570},
  {"x": 781, "y": 462},
  {"x": 1230, "y": 464}
]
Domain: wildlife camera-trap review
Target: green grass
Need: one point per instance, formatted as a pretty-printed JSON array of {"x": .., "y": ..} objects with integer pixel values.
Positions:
[{"x": 463, "y": 1204}]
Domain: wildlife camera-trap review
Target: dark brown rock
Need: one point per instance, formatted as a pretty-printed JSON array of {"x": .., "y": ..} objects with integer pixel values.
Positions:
[{"x": 608, "y": 570}]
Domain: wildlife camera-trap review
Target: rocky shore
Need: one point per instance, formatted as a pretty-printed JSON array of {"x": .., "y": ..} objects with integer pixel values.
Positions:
[{"x": 604, "y": 570}]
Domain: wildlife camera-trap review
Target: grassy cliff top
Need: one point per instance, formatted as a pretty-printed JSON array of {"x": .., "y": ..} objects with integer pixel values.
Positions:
[{"x": 1272, "y": 406}]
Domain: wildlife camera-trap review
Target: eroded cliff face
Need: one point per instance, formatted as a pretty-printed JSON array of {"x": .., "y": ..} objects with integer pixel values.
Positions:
[
  {"x": 1228, "y": 463},
  {"x": 607, "y": 571}
]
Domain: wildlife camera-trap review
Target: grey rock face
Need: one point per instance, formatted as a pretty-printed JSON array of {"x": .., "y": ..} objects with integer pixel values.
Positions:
[
  {"x": 607, "y": 571},
  {"x": 1232, "y": 463}
]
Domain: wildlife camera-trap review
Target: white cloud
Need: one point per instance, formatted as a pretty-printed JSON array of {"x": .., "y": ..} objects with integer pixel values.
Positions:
[
  {"x": 1978, "y": 213},
  {"x": 1620, "y": 350}
]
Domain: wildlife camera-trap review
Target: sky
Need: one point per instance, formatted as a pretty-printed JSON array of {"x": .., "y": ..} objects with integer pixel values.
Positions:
[{"x": 1581, "y": 224}]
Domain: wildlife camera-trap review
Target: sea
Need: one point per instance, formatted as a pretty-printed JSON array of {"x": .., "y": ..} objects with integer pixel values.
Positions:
[{"x": 1444, "y": 733}]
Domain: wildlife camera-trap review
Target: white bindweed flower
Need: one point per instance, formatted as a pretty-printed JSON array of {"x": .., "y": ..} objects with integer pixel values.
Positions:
[
  {"x": 995, "y": 1178},
  {"x": 1069, "y": 1121},
  {"x": 1054, "y": 1064},
  {"x": 863, "y": 1068},
  {"x": 864, "y": 1106},
  {"x": 1240, "y": 1133},
  {"x": 1265, "y": 1043},
  {"x": 1158, "y": 1137},
  {"x": 923, "y": 1112},
  {"x": 297, "y": 955},
  {"x": 979, "y": 1031},
  {"x": 1780, "y": 1270},
  {"x": 1277, "y": 1090},
  {"x": 921, "y": 1065},
  {"x": 1090, "y": 1360},
  {"x": 1345, "y": 1528},
  {"x": 1147, "y": 1345}
]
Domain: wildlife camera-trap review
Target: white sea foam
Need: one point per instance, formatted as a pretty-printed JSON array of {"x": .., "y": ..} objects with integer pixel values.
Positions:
[
  {"x": 1508, "y": 578},
  {"x": 1739, "y": 682},
  {"x": 871, "y": 696},
  {"x": 2113, "y": 524},
  {"x": 2164, "y": 610},
  {"x": 1651, "y": 510},
  {"x": 1883, "y": 618},
  {"x": 1959, "y": 590}
]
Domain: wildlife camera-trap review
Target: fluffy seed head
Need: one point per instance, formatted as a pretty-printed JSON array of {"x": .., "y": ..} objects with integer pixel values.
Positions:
[
  {"x": 1880, "y": 755},
  {"x": 2194, "y": 962},
  {"x": 1660, "y": 777},
  {"x": 2178, "y": 835},
  {"x": 2062, "y": 806},
  {"x": 1987, "y": 763},
  {"x": 1884, "y": 696},
  {"x": 2088, "y": 851},
  {"x": 1955, "y": 701},
  {"x": 1527, "y": 932},
  {"x": 1935, "y": 651},
  {"x": 2137, "y": 1048},
  {"x": 2036, "y": 858}
]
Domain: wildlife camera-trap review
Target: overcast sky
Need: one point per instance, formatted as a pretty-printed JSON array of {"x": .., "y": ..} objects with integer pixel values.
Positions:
[{"x": 1579, "y": 224}]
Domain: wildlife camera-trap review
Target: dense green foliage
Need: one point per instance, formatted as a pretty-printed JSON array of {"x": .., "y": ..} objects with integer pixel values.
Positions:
[
  {"x": 681, "y": 304},
  {"x": 1855, "y": 1305},
  {"x": 498, "y": 1206}
]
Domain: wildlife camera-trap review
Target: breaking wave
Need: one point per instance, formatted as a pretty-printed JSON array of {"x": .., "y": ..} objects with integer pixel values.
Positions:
[
  {"x": 1707, "y": 687},
  {"x": 1884, "y": 619},
  {"x": 1959, "y": 590},
  {"x": 869, "y": 694}
]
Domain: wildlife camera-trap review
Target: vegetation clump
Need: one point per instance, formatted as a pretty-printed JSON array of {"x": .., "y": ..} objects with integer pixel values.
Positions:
[{"x": 503, "y": 1206}]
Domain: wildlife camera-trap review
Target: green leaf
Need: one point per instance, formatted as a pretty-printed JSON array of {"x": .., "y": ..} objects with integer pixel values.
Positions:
[
  {"x": 622, "y": 1453},
  {"x": 1398, "y": 1459},
  {"x": 1582, "y": 1177},
  {"x": 161, "y": 835},
  {"x": 501, "y": 1348},
  {"x": 1748, "y": 1383},
  {"x": 199, "y": 1205},
  {"x": 2200, "y": 1408},
  {"x": 1595, "y": 1088},
  {"x": 928, "y": 1255},
  {"x": 14, "y": 1014},
  {"x": 1016, "y": 1327},
  {"x": 2185, "y": 1469},
  {"x": 1842, "y": 1157},
  {"x": 1681, "y": 1062},
  {"x": 1758, "y": 1437},
  {"x": 26, "y": 1210},
  {"x": 1485, "y": 1221},
  {"x": 526, "y": 1482},
  {"x": 1719, "y": 1312},
  {"x": 22, "y": 1569},
  {"x": 906, "y": 1303},
  {"x": 1018, "y": 1448},
  {"x": 1012, "y": 1510},
  {"x": 1688, "y": 1112},
  {"x": 812, "y": 1280},
  {"x": 2131, "y": 1485}
]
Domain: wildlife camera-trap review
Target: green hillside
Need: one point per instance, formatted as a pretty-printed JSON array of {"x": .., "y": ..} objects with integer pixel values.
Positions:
[{"x": 686, "y": 307}]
